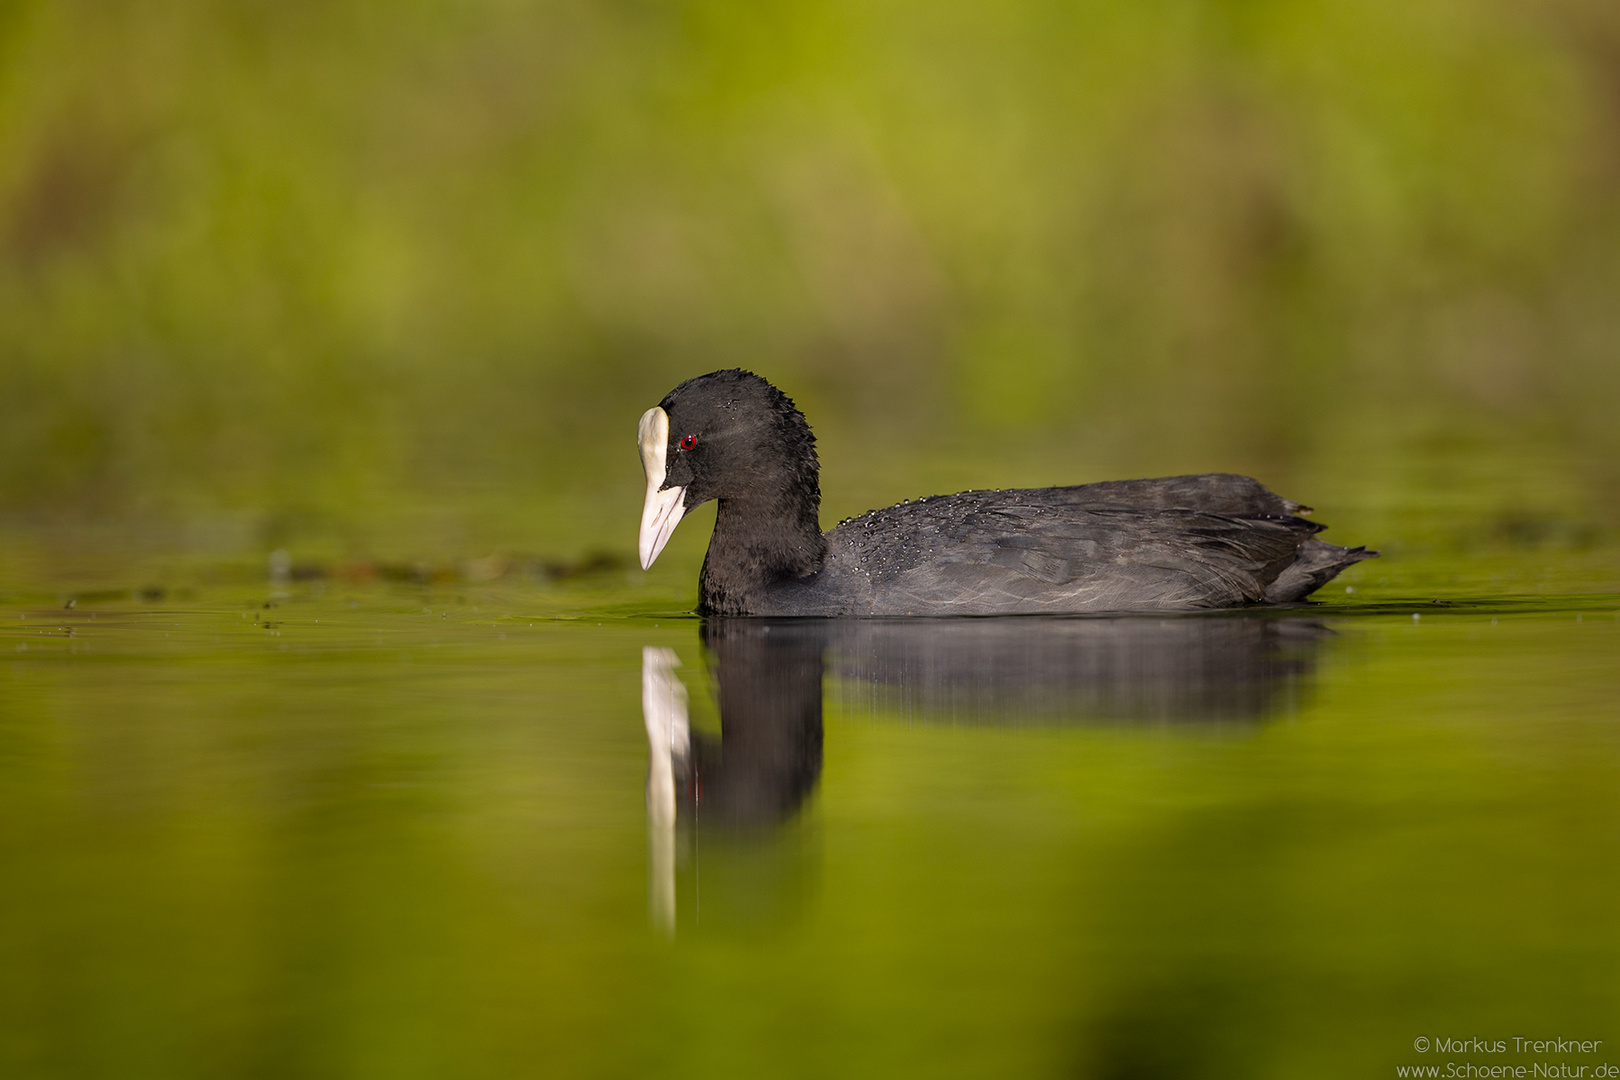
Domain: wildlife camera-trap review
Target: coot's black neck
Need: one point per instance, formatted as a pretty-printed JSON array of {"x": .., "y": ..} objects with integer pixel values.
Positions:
[{"x": 760, "y": 540}]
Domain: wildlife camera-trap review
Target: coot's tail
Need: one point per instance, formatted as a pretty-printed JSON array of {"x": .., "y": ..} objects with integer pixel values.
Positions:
[{"x": 1318, "y": 563}]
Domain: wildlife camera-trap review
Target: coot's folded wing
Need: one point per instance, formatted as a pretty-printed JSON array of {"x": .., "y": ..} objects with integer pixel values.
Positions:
[
  {"x": 1043, "y": 551},
  {"x": 1216, "y": 493}
]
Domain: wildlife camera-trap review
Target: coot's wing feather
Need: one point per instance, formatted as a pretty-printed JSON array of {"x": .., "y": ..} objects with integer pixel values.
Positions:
[
  {"x": 1216, "y": 493},
  {"x": 1033, "y": 551}
]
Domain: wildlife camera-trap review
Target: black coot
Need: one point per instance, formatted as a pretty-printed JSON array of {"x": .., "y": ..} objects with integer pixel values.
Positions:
[{"x": 1171, "y": 544}]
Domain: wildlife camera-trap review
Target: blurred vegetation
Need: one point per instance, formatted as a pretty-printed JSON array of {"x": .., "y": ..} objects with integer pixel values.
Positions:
[{"x": 302, "y": 265}]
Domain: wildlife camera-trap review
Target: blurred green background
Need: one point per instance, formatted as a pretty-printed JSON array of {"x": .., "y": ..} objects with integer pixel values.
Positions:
[{"x": 398, "y": 278}]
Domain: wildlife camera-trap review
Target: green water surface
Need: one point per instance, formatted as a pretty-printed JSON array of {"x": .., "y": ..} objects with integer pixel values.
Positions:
[{"x": 350, "y": 828}]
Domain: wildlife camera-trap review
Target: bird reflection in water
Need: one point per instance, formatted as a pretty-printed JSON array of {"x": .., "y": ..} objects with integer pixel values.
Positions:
[
  {"x": 767, "y": 758},
  {"x": 1009, "y": 671}
]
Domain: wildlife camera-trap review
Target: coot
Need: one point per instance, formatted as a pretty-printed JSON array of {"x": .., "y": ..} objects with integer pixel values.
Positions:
[{"x": 1175, "y": 543}]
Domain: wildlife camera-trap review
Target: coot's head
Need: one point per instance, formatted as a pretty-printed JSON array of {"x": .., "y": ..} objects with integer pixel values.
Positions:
[{"x": 726, "y": 435}]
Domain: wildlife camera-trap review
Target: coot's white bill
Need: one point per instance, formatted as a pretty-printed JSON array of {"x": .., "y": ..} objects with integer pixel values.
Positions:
[{"x": 663, "y": 509}]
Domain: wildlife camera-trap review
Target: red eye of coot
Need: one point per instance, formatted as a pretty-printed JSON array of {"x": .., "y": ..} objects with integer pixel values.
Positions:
[{"x": 689, "y": 442}]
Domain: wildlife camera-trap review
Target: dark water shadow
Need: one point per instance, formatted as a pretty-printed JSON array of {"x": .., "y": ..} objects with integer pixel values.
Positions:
[
  {"x": 771, "y": 679},
  {"x": 1077, "y": 671}
]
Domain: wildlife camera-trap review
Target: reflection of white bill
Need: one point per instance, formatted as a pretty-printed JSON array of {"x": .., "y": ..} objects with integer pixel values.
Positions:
[{"x": 663, "y": 708}]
